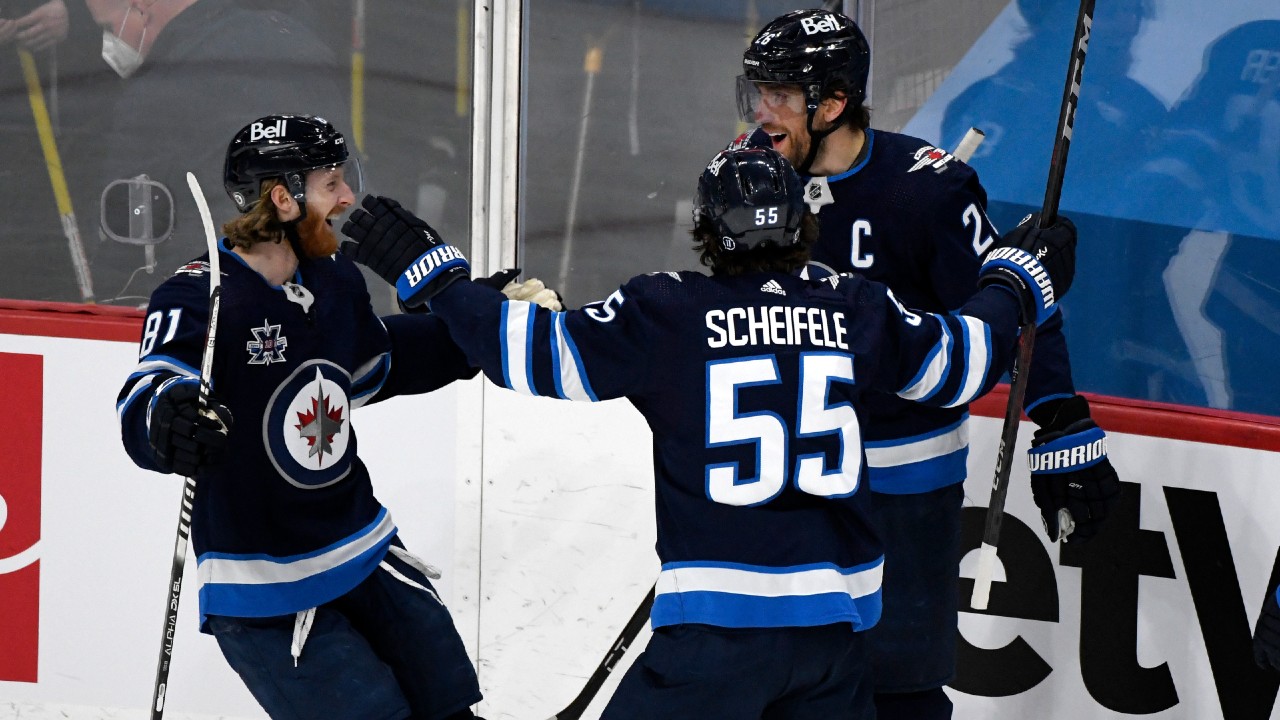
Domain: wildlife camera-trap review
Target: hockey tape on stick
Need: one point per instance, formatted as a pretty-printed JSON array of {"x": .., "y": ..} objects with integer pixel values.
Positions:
[
  {"x": 969, "y": 144},
  {"x": 1018, "y": 374},
  {"x": 160, "y": 690}
]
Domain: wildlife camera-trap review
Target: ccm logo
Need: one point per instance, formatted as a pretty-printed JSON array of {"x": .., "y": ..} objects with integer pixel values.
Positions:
[{"x": 259, "y": 131}]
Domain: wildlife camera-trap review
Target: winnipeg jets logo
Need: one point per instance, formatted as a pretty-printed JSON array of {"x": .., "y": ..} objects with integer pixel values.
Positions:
[
  {"x": 307, "y": 427},
  {"x": 930, "y": 156},
  {"x": 319, "y": 424},
  {"x": 773, "y": 287},
  {"x": 267, "y": 346},
  {"x": 195, "y": 267}
]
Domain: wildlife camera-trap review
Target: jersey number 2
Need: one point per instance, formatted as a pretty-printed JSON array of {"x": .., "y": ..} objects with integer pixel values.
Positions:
[{"x": 726, "y": 425}]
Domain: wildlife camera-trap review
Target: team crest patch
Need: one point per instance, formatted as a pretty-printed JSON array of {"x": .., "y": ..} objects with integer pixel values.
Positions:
[
  {"x": 930, "y": 156},
  {"x": 307, "y": 426},
  {"x": 195, "y": 267},
  {"x": 267, "y": 345}
]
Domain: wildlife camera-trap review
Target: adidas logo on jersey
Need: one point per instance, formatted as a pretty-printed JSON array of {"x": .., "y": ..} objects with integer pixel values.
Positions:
[{"x": 773, "y": 287}]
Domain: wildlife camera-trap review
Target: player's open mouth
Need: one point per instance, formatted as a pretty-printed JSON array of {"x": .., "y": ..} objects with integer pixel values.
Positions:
[{"x": 777, "y": 138}]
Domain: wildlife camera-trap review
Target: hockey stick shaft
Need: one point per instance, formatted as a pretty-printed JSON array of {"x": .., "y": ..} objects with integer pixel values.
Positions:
[
  {"x": 159, "y": 691},
  {"x": 617, "y": 651},
  {"x": 1022, "y": 367},
  {"x": 53, "y": 164}
]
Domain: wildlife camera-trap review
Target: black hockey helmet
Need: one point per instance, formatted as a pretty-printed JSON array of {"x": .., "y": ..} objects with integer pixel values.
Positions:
[
  {"x": 819, "y": 50},
  {"x": 284, "y": 147},
  {"x": 750, "y": 196}
]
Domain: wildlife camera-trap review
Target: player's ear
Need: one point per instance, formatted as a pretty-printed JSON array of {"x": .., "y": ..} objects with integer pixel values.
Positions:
[
  {"x": 830, "y": 108},
  {"x": 284, "y": 202}
]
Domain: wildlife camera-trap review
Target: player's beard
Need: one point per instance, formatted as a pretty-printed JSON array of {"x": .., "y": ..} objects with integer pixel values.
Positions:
[{"x": 316, "y": 236}]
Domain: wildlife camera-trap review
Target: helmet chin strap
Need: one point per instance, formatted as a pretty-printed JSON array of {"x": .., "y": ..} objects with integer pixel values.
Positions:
[
  {"x": 297, "y": 188},
  {"x": 815, "y": 137}
]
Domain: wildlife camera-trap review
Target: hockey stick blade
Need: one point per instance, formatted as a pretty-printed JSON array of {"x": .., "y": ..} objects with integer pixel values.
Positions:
[
  {"x": 161, "y": 687},
  {"x": 617, "y": 651},
  {"x": 1018, "y": 375}
]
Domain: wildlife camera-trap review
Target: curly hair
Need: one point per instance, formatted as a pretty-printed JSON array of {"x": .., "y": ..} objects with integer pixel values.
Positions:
[
  {"x": 766, "y": 257},
  {"x": 260, "y": 224}
]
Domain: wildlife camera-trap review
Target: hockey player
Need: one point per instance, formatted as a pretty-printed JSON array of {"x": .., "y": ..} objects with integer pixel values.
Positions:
[
  {"x": 313, "y": 599},
  {"x": 897, "y": 210},
  {"x": 751, "y": 380}
]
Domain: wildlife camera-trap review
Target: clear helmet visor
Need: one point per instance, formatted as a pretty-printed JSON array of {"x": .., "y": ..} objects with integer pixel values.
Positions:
[{"x": 762, "y": 101}]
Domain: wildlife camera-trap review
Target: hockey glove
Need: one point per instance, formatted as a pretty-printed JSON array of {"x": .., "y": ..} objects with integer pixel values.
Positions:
[
  {"x": 533, "y": 290},
  {"x": 497, "y": 281},
  {"x": 1266, "y": 636},
  {"x": 1038, "y": 264},
  {"x": 184, "y": 436},
  {"x": 402, "y": 249},
  {"x": 1070, "y": 469}
]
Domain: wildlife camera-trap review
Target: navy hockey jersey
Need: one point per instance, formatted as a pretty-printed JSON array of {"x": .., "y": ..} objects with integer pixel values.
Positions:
[
  {"x": 288, "y": 520},
  {"x": 752, "y": 386},
  {"x": 913, "y": 217}
]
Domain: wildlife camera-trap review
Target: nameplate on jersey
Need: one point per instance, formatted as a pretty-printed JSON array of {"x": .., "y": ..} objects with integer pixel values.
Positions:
[{"x": 817, "y": 193}]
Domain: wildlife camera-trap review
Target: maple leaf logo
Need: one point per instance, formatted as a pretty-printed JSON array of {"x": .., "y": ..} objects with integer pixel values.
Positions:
[{"x": 320, "y": 424}]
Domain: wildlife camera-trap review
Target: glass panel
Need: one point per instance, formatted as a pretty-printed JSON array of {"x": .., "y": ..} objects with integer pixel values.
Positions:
[
  {"x": 626, "y": 101},
  {"x": 1173, "y": 179},
  {"x": 402, "y": 102},
  {"x": 1173, "y": 176}
]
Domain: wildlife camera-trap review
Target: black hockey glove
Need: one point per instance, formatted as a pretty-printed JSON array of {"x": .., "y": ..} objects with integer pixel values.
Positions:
[
  {"x": 402, "y": 249},
  {"x": 1266, "y": 635},
  {"x": 1038, "y": 264},
  {"x": 1070, "y": 469},
  {"x": 185, "y": 437}
]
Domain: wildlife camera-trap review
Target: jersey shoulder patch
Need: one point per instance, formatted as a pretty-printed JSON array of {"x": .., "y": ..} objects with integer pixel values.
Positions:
[{"x": 197, "y": 267}]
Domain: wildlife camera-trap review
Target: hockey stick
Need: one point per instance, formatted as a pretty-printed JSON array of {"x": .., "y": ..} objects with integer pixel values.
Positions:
[
  {"x": 617, "y": 651},
  {"x": 1018, "y": 374},
  {"x": 964, "y": 150},
  {"x": 53, "y": 164},
  {"x": 189, "y": 487}
]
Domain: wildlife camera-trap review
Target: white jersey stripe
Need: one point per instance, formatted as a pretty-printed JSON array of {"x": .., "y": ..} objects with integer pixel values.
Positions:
[
  {"x": 914, "y": 451},
  {"x": 516, "y": 361},
  {"x": 570, "y": 369},
  {"x": 741, "y": 581},
  {"x": 213, "y": 569},
  {"x": 936, "y": 369},
  {"x": 977, "y": 340}
]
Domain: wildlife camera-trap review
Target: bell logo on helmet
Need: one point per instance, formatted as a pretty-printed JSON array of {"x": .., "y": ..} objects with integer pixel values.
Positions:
[
  {"x": 814, "y": 25},
  {"x": 259, "y": 131}
]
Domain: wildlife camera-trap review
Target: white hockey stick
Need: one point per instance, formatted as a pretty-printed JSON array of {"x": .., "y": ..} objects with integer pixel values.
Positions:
[
  {"x": 1022, "y": 367},
  {"x": 189, "y": 487}
]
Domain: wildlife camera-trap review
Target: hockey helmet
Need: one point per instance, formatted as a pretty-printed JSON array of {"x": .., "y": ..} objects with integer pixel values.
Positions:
[
  {"x": 819, "y": 50},
  {"x": 750, "y": 196},
  {"x": 284, "y": 147}
]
